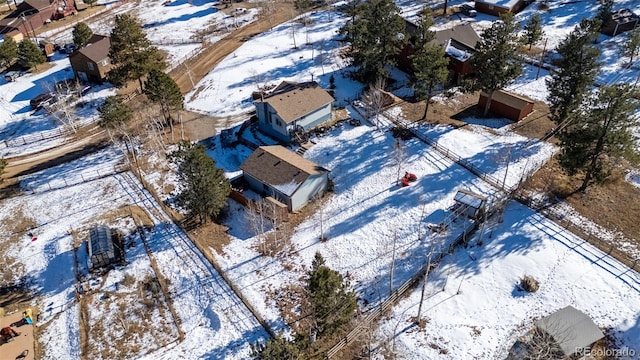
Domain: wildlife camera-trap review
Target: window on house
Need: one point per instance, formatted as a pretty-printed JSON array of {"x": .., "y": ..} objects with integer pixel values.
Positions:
[
  {"x": 90, "y": 66},
  {"x": 278, "y": 123}
]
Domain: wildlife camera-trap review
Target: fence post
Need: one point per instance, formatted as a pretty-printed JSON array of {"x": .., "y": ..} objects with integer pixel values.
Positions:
[{"x": 82, "y": 177}]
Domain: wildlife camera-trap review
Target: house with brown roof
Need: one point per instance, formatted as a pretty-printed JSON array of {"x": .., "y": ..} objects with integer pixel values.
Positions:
[
  {"x": 292, "y": 107},
  {"x": 275, "y": 171},
  {"x": 511, "y": 106},
  {"x": 621, "y": 21},
  {"x": 459, "y": 43},
  {"x": 29, "y": 16},
  {"x": 92, "y": 63},
  {"x": 497, "y": 7}
]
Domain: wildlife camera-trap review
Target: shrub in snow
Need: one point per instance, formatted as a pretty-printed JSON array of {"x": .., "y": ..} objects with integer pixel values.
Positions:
[{"x": 529, "y": 284}]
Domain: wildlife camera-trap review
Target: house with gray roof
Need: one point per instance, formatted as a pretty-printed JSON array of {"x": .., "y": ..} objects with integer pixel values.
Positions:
[
  {"x": 102, "y": 251},
  {"x": 92, "y": 63},
  {"x": 292, "y": 107},
  {"x": 572, "y": 329},
  {"x": 275, "y": 171}
]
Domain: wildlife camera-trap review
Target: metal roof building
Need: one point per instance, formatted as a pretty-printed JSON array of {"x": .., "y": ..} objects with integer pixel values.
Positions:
[
  {"x": 101, "y": 249},
  {"x": 571, "y": 329}
]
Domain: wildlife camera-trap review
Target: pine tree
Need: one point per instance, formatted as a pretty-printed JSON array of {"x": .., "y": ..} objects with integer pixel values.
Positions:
[
  {"x": 29, "y": 54},
  {"x": 533, "y": 31},
  {"x": 8, "y": 52},
  {"x": 497, "y": 58},
  {"x": 114, "y": 114},
  {"x": 81, "y": 35},
  {"x": 429, "y": 63},
  {"x": 131, "y": 52},
  {"x": 605, "y": 12},
  {"x": 205, "y": 188},
  {"x": 333, "y": 305},
  {"x": 277, "y": 348},
  {"x": 572, "y": 79},
  {"x": 632, "y": 46},
  {"x": 601, "y": 135},
  {"x": 376, "y": 36},
  {"x": 161, "y": 89}
]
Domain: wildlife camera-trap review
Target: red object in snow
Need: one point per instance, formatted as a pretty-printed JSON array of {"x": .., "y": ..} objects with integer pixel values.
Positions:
[
  {"x": 34, "y": 239},
  {"x": 411, "y": 177},
  {"x": 405, "y": 181}
]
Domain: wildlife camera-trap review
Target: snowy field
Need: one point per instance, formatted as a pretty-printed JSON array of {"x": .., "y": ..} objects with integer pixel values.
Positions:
[{"x": 361, "y": 219}]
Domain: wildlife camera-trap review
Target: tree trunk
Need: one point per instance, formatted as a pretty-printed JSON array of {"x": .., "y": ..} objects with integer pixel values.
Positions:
[
  {"x": 488, "y": 104},
  {"x": 426, "y": 107},
  {"x": 141, "y": 85}
]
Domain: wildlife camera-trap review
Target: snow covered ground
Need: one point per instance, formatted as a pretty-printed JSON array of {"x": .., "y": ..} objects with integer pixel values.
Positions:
[{"x": 361, "y": 219}]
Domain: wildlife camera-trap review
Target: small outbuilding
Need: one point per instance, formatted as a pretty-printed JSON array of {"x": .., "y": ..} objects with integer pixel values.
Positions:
[
  {"x": 470, "y": 204},
  {"x": 509, "y": 105},
  {"x": 621, "y": 21},
  {"x": 497, "y": 7},
  {"x": 285, "y": 176},
  {"x": 572, "y": 329},
  {"x": 102, "y": 251}
]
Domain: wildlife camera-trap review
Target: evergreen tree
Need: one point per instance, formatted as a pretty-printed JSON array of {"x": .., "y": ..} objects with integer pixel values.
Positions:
[
  {"x": 605, "y": 12},
  {"x": 131, "y": 52},
  {"x": 376, "y": 34},
  {"x": 205, "y": 188},
  {"x": 632, "y": 46},
  {"x": 497, "y": 58},
  {"x": 115, "y": 115},
  {"x": 81, "y": 34},
  {"x": 533, "y": 31},
  {"x": 8, "y": 52},
  {"x": 277, "y": 348},
  {"x": 429, "y": 63},
  {"x": 575, "y": 72},
  {"x": 29, "y": 54},
  {"x": 601, "y": 135},
  {"x": 163, "y": 90},
  {"x": 333, "y": 305}
]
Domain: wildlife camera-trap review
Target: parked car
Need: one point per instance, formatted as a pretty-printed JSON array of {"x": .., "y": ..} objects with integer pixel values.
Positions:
[
  {"x": 68, "y": 48},
  {"x": 40, "y": 100},
  {"x": 13, "y": 75},
  {"x": 468, "y": 10}
]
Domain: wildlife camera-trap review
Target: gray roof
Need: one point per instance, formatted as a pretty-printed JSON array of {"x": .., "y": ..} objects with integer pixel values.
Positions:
[
  {"x": 571, "y": 329},
  {"x": 100, "y": 241},
  {"x": 462, "y": 34},
  {"x": 280, "y": 168},
  {"x": 292, "y": 101}
]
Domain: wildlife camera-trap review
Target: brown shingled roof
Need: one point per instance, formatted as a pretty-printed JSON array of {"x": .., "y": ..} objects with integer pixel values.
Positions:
[
  {"x": 97, "y": 49},
  {"x": 463, "y": 34},
  {"x": 297, "y": 100},
  {"x": 278, "y": 166}
]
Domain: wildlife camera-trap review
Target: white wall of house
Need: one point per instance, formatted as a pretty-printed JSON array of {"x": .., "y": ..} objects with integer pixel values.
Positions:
[
  {"x": 315, "y": 118},
  {"x": 315, "y": 184}
]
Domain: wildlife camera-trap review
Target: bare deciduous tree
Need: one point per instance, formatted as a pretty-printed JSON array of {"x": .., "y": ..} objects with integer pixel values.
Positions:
[{"x": 373, "y": 100}]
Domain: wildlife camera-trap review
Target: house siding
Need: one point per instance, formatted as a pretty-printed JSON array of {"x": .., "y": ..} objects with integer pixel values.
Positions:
[
  {"x": 310, "y": 188},
  {"x": 268, "y": 122},
  {"x": 314, "y": 119},
  {"x": 80, "y": 64},
  {"x": 267, "y": 190}
]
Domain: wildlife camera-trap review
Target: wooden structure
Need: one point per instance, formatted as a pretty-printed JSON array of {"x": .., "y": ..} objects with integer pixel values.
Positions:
[
  {"x": 470, "y": 204},
  {"x": 29, "y": 16},
  {"x": 497, "y": 7},
  {"x": 621, "y": 21},
  {"x": 102, "y": 251},
  {"x": 276, "y": 172},
  {"x": 92, "y": 63},
  {"x": 459, "y": 44},
  {"x": 511, "y": 106}
]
